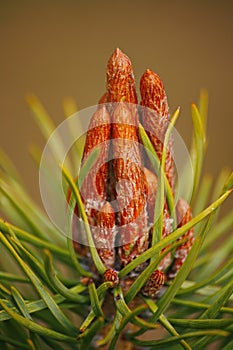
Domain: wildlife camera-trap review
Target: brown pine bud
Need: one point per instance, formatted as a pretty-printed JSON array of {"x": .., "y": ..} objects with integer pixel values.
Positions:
[
  {"x": 156, "y": 120},
  {"x": 153, "y": 94},
  {"x": 120, "y": 86},
  {"x": 119, "y": 193},
  {"x": 154, "y": 284},
  {"x": 111, "y": 275}
]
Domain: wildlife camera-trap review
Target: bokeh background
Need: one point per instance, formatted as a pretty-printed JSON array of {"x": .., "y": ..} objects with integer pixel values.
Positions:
[{"x": 60, "y": 48}]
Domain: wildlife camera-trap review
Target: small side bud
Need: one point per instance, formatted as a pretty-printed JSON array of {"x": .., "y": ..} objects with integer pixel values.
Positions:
[
  {"x": 154, "y": 284},
  {"x": 111, "y": 275}
]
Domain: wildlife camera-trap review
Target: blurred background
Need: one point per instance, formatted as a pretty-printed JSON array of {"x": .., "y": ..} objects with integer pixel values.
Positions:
[{"x": 60, "y": 48}]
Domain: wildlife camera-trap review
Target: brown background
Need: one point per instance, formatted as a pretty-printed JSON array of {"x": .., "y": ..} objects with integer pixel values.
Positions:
[{"x": 60, "y": 48}]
